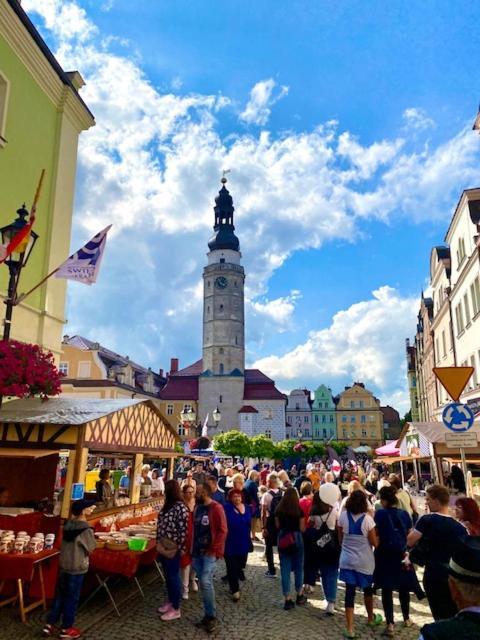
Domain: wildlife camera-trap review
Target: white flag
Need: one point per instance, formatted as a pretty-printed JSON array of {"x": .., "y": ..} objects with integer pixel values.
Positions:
[
  {"x": 205, "y": 428},
  {"x": 84, "y": 265}
]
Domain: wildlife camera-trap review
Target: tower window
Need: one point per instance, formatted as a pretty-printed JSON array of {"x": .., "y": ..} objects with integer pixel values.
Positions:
[
  {"x": 208, "y": 284},
  {"x": 221, "y": 307},
  {"x": 220, "y": 350},
  {"x": 236, "y": 339},
  {"x": 220, "y": 399},
  {"x": 221, "y": 368},
  {"x": 222, "y": 260},
  {"x": 208, "y": 309},
  {"x": 235, "y": 283}
]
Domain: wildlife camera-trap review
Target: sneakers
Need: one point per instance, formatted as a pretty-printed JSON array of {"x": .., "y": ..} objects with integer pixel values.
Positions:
[
  {"x": 194, "y": 586},
  {"x": 208, "y": 624},
  {"x": 185, "y": 593},
  {"x": 270, "y": 575},
  {"x": 330, "y": 609},
  {"x": 164, "y": 608},
  {"x": 289, "y": 604},
  {"x": 236, "y": 596},
  {"x": 301, "y": 599},
  {"x": 171, "y": 614},
  {"x": 70, "y": 633},
  {"x": 48, "y": 630}
]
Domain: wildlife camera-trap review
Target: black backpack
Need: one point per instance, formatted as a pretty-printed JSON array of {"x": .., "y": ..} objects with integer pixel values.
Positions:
[
  {"x": 396, "y": 541},
  {"x": 276, "y": 498}
]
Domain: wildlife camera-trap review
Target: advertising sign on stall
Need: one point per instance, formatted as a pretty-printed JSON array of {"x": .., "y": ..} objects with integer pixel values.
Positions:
[{"x": 78, "y": 490}]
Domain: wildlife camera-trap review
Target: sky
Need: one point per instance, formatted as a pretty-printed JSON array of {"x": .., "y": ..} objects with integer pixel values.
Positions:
[{"x": 346, "y": 127}]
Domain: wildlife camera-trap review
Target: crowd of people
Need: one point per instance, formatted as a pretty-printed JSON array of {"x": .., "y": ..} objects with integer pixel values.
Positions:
[{"x": 361, "y": 529}]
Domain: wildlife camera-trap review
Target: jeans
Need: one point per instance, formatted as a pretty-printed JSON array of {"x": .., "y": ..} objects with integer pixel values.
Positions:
[
  {"x": 204, "y": 567},
  {"x": 67, "y": 595},
  {"x": 329, "y": 574},
  {"x": 438, "y": 595},
  {"x": 292, "y": 561},
  {"x": 171, "y": 569},
  {"x": 269, "y": 557},
  {"x": 235, "y": 565},
  {"x": 387, "y": 603}
]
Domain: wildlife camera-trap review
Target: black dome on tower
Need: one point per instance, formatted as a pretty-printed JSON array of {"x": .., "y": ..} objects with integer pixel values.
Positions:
[{"x": 224, "y": 236}]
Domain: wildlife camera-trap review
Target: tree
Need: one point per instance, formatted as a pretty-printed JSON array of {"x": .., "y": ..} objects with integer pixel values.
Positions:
[
  {"x": 284, "y": 449},
  {"x": 261, "y": 447},
  {"x": 27, "y": 371},
  {"x": 338, "y": 446},
  {"x": 233, "y": 443}
]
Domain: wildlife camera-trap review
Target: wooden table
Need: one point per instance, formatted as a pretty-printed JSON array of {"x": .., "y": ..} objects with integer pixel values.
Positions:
[{"x": 21, "y": 569}]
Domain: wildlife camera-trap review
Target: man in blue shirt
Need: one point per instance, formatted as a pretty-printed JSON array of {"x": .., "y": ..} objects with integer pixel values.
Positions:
[
  {"x": 217, "y": 494},
  {"x": 125, "y": 481}
]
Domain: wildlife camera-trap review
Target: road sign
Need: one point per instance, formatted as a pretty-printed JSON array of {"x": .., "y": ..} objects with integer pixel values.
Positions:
[
  {"x": 453, "y": 379},
  {"x": 458, "y": 417},
  {"x": 461, "y": 440}
]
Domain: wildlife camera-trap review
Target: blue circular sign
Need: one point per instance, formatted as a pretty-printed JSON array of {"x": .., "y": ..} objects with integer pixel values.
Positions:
[{"x": 458, "y": 417}]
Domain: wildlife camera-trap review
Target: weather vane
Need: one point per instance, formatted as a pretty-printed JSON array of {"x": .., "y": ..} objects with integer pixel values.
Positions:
[{"x": 224, "y": 173}]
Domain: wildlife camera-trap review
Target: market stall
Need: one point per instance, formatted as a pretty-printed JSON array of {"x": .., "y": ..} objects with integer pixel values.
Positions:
[
  {"x": 433, "y": 439},
  {"x": 45, "y": 449}
]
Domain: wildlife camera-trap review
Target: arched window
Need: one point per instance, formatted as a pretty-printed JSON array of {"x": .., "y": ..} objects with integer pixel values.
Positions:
[
  {"x": 221, "y": 307},
  {"x": 221, "y": 368},
  {"x": 220, "y": 350}
]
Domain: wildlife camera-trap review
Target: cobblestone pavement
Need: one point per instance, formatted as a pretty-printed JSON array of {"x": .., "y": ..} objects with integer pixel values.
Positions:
[{"x": 258, "y": 614}]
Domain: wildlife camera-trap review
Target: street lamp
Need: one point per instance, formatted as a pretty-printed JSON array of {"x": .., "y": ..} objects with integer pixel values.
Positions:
[
  {"x": 299, "y": 434},
  {"x": 217, "y": 416},
  {"x": 16, "y": 261}
]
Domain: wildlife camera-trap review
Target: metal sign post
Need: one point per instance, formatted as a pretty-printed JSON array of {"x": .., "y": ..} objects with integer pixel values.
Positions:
[{"x": 457, "y": 417}]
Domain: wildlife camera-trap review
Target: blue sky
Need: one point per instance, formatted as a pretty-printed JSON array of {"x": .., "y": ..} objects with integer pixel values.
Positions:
[{"x": 346, "y": 126}]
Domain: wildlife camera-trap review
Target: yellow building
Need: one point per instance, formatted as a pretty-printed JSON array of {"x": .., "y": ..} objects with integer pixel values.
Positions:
[
  {"x": 93, "y": 371},
  {"x": 41, "y": 117},
  {"x": 359, "y": 417}
]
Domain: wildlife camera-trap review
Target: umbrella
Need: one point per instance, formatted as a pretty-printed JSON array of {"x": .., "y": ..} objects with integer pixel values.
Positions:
[{"x": 362, "y": 449}]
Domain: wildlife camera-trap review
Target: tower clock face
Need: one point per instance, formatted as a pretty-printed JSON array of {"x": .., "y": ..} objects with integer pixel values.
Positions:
[{"x": 221, "y": 282}]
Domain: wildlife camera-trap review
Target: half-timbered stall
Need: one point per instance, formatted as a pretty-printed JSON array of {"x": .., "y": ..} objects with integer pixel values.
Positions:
[
  {"x": 45, "y": 451},
  {"x": 47, "y": 447}
]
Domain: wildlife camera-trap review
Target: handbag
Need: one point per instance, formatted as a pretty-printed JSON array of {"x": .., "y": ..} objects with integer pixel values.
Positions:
[
  {"x": 287, "y": 542},
  {"x": 327, "y": 547},
  {"x": 167, "y": 548}
]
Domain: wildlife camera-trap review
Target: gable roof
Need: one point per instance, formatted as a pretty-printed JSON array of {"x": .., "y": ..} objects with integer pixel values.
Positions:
[{"x": 247, "y": 408}]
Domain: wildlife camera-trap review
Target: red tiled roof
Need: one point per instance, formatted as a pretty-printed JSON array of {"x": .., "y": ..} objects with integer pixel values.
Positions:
[
  {"x": 180, "y": 388},
  {"x": 194, "y": 369},
  {"x": 262, "y": 392},
  {"x": 255, "y": 376},
  {"x": 248, "y": 409}
]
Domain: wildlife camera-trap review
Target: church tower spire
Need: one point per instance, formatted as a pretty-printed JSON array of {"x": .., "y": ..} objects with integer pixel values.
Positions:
[{"x": 223, "y": 316}]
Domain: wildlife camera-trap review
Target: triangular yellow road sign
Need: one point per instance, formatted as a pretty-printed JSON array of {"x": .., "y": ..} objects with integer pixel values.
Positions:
[{"x": 453, "y": 379}]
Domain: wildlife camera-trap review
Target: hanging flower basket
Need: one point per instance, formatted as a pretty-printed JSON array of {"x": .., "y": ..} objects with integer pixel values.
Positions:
[{"x": 27, "y": 371}]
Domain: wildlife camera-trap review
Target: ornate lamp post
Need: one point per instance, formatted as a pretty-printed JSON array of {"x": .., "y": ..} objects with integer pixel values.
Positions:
[
  {"x": 15, "y": 262},
  {"x": 217, "y": 416},
  {"x": 300, "y": 434}
]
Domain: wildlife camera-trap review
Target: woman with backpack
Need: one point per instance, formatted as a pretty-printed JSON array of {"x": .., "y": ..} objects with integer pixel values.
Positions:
[
  {"x": 391, "y": 573},
  {"x": 290, "y": 523},
  {"x": 358, "y": 536},
  {"x": 323, "y": 543}
]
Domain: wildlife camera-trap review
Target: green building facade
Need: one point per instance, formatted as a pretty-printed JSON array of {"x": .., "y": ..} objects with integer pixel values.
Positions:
[{"x": 324, "y": 424}]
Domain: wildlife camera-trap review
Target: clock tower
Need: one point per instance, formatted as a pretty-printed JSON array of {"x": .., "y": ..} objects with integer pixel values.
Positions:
[{"x": 222, "y": 380}]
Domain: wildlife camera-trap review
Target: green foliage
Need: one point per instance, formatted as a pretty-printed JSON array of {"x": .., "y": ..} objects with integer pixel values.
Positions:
[
  {"x": 284, "y": 449},
  {"x": 261, "y": 447},
  {"x": 233, "y": 443},
  {"x": 179, "y": 447},
  {"x": 339, "y": 446}
]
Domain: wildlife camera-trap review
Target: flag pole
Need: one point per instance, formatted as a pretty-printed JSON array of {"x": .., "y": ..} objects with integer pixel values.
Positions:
[{"x": 22, "y": 297}]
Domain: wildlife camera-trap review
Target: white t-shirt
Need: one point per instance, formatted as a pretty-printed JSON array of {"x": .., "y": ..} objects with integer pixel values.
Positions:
[
  {"x": 267, "y": 498},
  {"x": 367, "y": 525},
  {"x": 331, "y": 519}
]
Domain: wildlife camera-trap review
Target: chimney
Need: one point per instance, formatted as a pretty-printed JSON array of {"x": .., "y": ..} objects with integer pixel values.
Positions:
[
  {"x": 173, "y": 365},
  {"x": 160, "y": 373}
]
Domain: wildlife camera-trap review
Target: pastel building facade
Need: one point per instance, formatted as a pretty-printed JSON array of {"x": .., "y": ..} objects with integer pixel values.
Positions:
[
  {"x": 359, "y": 417},
  {"x": 324, "y": 422},
  {"x": 299, "y": 415},
  {"x": 41, "y": 118}
]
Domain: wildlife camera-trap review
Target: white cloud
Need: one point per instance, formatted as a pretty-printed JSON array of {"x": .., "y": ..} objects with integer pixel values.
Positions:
[
  {"x": 418, "y": 119},
  {"x": 258, "y": 108},
  {"x": 278, "y": 311},
  {"x": 363, "y": 343}
]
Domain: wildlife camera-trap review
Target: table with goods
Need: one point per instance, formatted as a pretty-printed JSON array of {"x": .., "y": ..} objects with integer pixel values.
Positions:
[
  {"x": 124, "y": 542},
  {"x": 28, "y": 568}
]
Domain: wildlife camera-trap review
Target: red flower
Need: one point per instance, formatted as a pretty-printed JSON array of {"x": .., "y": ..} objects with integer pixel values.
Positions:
[{"x": 27, "y": 371}]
